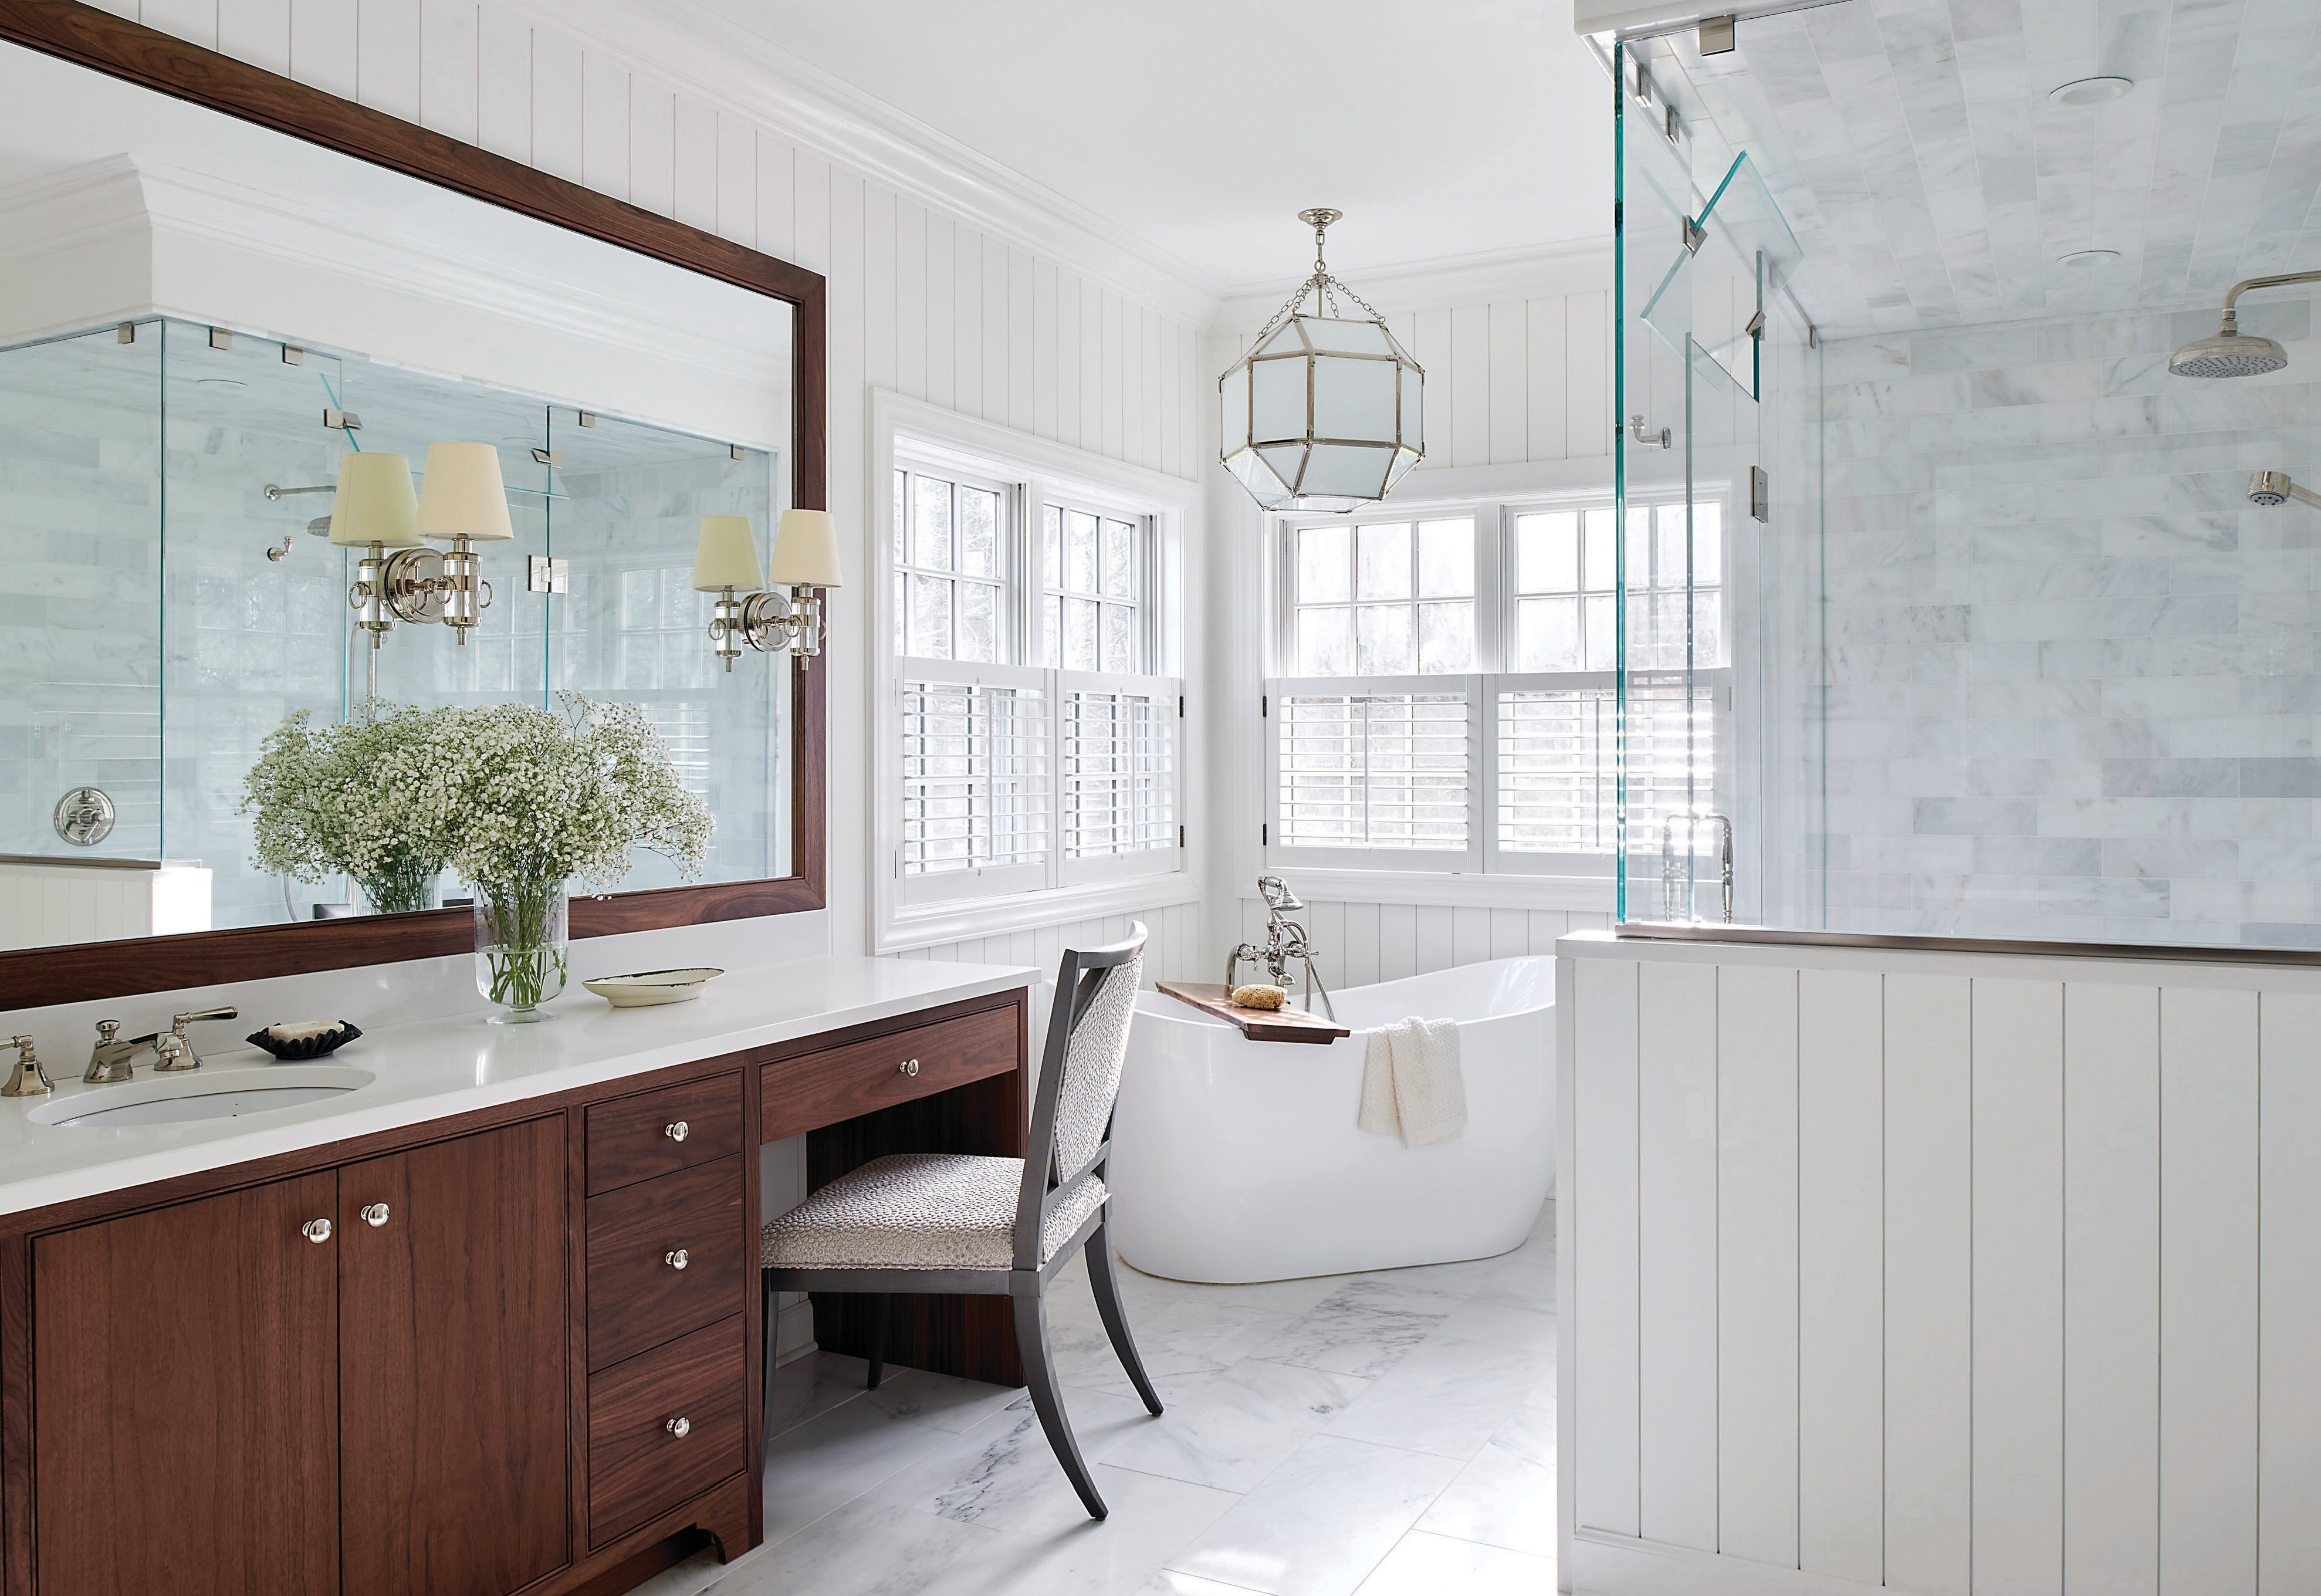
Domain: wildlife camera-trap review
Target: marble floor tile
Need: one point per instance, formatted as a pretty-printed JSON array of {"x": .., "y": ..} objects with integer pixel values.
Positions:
[
  {"x": 1423, "y": 1565},
  {"x": 1448, "y": 1397},
  {"x": 1505, "y": 1494},
  {"x": 1182, "y": 1343},
  {"x": 1292, "y": 1297},
  {"x": 1500, "y": 1324},
  {"x": 1169, "y": 1583},
  {"x": 1058, "y": 1550},
  {"x": 825, "y": 1462},
  {"x": 1003, "y": 1470},
  {"x": 1522, "y": 1284},
  {"x": 941, "y": 1401},
  {"x": 1241, "y": 1425},
  {"x": 1320, "y": 1522},
  {"x": 695, "y": 1574},
  {"x": 1364, "y": 1329},
  {"x": 865, "y": 1548},
  {"x": 808, "y": 1387}
]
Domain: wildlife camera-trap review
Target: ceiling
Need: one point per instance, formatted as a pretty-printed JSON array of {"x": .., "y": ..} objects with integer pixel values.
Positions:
[
  {"x": 1444, "y": 130},
  {"x": 1932, "y": 182}
]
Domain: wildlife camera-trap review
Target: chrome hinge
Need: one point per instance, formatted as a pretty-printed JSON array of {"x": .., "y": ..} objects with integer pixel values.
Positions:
[
  {"x": 549, "y": 457},
  {"x": 345, "y": 421},
  {"x": 221, "y": 338},
  {"x": 545, "y": 573},
  {"x": 292, "y": 355},
  {"x": 1756, "y": 327},
  {"x": 587, "y": 418},
  {"x": 1693, "y": 237},
  {"x": 1716, "y": 34}
]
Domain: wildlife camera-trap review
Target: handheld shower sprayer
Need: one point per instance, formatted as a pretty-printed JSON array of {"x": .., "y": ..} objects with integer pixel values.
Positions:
[
  {"x": 2274, "y": 488},
  {"x": 1284, "y": 941}
]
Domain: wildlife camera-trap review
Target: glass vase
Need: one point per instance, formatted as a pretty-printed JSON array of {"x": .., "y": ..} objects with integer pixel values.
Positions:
[
  {"x": 522, "y": 947},
  {"x": 400, "y": 889}
]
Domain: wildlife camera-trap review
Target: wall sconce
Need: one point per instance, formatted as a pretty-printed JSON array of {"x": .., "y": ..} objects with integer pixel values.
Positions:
[
  {"x": 805, "y": 558},
  {"x": 463, "y": 499},
  {"x": 375, "y": 509}
]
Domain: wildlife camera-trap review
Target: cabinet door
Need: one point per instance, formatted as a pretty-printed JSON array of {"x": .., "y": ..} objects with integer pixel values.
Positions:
[
  {"x": 454, "y": 1337},
  {"x": 184, "y": 1421}
]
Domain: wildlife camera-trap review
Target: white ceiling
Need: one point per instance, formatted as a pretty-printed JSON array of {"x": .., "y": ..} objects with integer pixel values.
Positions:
[
  {"x": 1932, "y": 182},
  {"x": 1444, "y": 130}
]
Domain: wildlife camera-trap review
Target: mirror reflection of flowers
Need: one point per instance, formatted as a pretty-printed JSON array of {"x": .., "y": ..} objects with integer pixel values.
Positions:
[{"x": 342, "y": 800}]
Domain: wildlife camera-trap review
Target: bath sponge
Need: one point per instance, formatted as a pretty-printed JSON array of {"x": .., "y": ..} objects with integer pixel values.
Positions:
[{"x": 1260, "y": 997}]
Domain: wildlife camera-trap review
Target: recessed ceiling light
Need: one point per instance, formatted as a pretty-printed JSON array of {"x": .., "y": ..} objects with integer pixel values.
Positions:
[
  {"x": 2090, "y": 91},
  {"x": 2083, "y": 259}
]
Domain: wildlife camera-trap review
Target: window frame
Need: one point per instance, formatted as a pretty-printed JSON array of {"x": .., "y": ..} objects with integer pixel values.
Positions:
[
  {"x": 1485, "y": 869},
  {"x": 935, "y": 908}
]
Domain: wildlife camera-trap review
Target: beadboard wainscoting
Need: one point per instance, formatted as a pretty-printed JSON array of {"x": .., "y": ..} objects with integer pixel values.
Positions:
[
  {"x": 1362, "y": 943},
  {"x": 1170, "y": 953},
  {"x": 1944, "y": 1271}
]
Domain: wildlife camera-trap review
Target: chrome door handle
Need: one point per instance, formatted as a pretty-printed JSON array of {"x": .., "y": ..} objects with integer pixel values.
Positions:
[
  {"x": 676, "y": 1260},
  {"x": 315, "y": 1230},
  {"x": 909, "y": 1067},
  {"x": 374, "y": 1214},
  {"x": 680, "y": 1426},
  {"x": 678, "y": 1131}
]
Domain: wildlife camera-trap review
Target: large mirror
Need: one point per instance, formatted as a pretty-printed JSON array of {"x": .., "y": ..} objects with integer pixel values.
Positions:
[{"x": 201, "y": 321}]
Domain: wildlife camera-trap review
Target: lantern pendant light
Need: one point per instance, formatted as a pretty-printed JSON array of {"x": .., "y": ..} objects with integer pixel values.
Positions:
[{"x": 1323, "y": 412}]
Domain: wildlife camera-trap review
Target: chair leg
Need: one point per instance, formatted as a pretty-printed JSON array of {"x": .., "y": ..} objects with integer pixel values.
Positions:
[
  {"x": 1032, "y": 1341},
  {"x": 882, "y": 1308},
  {"x": 1106, "y": 1287}
]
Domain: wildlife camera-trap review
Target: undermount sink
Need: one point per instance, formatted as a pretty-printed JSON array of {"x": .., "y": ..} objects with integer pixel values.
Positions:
[{"x": 207, "y": 1093}]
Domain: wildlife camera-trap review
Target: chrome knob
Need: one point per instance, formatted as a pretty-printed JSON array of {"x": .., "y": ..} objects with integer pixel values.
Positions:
[
  {"x": 909, "y": 1067},
  {"x": 374, "y": 1214},
  {"x": 677, "y": 1132},
  {"x": 315, "y": 1230},
  {"x": 680, "y": 1426},
  {"x": 676, "y": 1259}
]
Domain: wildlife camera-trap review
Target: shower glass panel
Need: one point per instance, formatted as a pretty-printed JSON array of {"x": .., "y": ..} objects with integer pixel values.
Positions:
[{"x": 1716, "y": 381}]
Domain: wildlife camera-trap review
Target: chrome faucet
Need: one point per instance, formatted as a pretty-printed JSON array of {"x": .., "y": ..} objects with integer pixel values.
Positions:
[
  {"x": 29, "y": 1079},
  {"x": 112, "y": 1059},
  {"x": 174, "y": 1052},
  {"x": 1285, "y": 940}
]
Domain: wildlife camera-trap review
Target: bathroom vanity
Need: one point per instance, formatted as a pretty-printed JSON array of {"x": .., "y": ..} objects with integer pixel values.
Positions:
[{"x": 489, "y": 1323}]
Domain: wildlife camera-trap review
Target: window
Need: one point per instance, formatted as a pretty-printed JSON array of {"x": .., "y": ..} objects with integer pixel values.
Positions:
[
  {"x": 1031, "y": 750},
  {"x": 1453, "y": 700}
]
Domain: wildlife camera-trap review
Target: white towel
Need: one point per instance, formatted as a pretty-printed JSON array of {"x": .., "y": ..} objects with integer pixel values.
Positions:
[{"x": 1411, "y": 1083}]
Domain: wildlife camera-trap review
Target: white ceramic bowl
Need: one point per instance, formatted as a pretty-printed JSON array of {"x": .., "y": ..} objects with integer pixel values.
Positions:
[{"x": 648, "y": 987}]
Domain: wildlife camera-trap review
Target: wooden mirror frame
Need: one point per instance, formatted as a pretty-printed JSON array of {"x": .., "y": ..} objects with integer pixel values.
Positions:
[{"x": 103, "y": 42}]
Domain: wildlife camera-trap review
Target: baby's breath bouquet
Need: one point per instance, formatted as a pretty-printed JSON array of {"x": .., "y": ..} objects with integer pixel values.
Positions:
[
  {"x": 538, "y": 803},
  {"x": 340, "y": 800}
]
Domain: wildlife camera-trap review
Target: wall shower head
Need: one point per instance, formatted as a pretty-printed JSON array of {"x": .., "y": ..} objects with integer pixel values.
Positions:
[
  {"x": 2274, "y": 488},
  {"x": 2230, "y": 354}
]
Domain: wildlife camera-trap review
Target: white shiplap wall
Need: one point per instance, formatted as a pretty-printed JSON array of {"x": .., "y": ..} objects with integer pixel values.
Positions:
[
  {"x": 1946, "y": 1273},
  {"x": 921, "y": 302},
  {"x": 1362, "y": 943}
]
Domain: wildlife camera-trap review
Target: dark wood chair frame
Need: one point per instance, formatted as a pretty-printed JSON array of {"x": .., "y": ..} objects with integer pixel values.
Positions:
[{"x": 1080, "y": 978}]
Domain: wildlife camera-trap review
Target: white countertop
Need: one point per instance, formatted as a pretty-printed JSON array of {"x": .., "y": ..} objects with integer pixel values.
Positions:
[{"x": 433, "y": 1069}]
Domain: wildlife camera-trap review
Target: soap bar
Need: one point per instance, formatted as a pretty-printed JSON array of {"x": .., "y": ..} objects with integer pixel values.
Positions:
[
  {"x": 299, "y": 1030},
  {"x": 1260, "y": 997}
]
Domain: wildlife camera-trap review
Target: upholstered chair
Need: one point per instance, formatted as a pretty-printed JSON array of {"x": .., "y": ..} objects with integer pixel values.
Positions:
[{"x": 953, "y": 1222}]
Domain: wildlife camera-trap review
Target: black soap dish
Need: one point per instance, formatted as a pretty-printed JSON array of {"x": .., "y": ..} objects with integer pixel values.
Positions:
[{"x": 298, "y": 1049}]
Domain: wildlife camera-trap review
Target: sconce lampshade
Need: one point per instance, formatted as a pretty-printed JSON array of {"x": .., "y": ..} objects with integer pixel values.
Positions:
[
  {"x": 463, "y": 495},
  {"x": 726, "y": 557},
  {"x": 805, "y": 550},
  {"x": 373, "y": 503}
]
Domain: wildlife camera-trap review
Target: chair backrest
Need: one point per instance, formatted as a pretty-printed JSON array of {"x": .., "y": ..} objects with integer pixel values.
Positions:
[{"x": 1079, "y": 1076}]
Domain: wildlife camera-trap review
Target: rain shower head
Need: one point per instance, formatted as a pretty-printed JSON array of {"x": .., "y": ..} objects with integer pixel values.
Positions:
[
  {"x": 2274, "y": 488},
  {"x": 2230, "y": 354}
]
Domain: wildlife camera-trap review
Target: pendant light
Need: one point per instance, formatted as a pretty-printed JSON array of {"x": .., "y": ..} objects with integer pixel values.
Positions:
[{"x": 1323, "y": 412}]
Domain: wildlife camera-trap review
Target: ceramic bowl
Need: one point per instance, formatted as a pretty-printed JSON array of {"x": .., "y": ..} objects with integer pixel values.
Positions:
[
  {"x": 320, "y": 1044},
  {"x": 651, "y": 987}
]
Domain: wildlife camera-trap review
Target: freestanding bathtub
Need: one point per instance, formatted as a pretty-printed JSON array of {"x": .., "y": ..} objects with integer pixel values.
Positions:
[{"x": 1235, "y": 1161}]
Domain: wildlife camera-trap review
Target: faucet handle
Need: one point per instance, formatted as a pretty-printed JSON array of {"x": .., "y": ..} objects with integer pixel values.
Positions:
[
  {"x": 28, "y": 1079},
  {"x": 178, "y": 1022},
  {"x": 107, "y": 1029},
  {"x": 173, "y": 1053}
]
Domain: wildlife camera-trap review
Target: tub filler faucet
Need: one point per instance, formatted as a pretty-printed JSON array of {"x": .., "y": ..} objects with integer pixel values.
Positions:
[
  {"x": 1672, "y": 876},
  {"x": 1284, "y": 941}
]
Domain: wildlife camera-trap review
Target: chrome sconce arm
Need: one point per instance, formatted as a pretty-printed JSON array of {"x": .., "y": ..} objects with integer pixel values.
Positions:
[{"x": 772, "y": 623}]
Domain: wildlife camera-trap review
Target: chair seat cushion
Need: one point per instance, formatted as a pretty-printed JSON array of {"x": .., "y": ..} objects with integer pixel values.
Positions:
[{"x": 921, "y": 1210}]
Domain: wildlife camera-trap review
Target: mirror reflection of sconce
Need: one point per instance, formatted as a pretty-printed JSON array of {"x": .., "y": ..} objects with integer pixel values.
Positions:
[
  {"x": 805, "y": 558},
  {"x": 376, "y": 509},
  {"x": 463, "y": 500}
]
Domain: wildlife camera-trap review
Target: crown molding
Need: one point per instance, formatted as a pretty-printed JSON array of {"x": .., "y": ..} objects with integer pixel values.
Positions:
[
  {"x": 1488, "y": 278},
  {"x": 733, "y": 68}
]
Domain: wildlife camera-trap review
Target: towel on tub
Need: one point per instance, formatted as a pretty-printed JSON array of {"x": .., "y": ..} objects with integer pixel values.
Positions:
[{"x": 1411, "y": 1084}]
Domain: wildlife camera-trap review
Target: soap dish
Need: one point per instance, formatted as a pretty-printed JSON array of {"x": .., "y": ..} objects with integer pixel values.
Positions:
[
  {"x": 651, "y": 987},
  {"x": 297, "y": 1049}
]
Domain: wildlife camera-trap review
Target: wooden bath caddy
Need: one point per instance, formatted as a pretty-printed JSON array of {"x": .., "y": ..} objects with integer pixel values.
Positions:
[{"x": 1259, "y": 1025}]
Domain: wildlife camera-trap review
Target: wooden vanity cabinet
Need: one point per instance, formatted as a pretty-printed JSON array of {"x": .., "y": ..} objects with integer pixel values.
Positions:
[{"x": 352, "y": 1380}]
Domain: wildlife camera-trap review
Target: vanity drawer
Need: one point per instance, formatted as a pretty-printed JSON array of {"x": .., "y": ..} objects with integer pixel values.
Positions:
[
  {"x": 638, "y": 1466},
  {"x": 655, "y": 1132},
  {"x": 821, "y": 1087},
  {"x": 637, "y": 1297}
]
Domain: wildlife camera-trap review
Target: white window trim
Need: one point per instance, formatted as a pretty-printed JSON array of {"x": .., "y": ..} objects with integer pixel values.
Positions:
[
  {"x": 1046, "y": 471},
  {"x": 1256, "y": 556}
]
